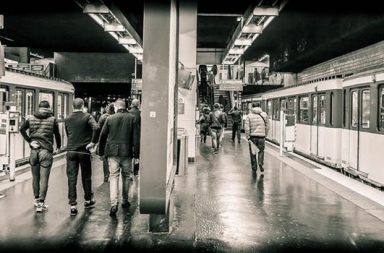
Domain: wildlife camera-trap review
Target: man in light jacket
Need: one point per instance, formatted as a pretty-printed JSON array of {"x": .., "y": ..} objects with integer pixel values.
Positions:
[{"x": 256, "y": 128}]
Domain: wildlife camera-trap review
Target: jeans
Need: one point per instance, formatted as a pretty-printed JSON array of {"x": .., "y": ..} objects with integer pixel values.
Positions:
[
  {"x": 105, "y": 167},
  {"x": 74, "y": 159},
  {"x": 41, "y": 163},
  {"x": 260, "y": 144},
  {"x": 116, "y": 165},
  {"x": 216, "y": 133},
  {"x": 236, "y": 131}
]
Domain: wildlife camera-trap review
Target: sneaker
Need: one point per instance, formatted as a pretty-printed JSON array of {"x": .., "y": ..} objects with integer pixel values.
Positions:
[
  {"x": 73, "y": 210},
  {"x": 41, "y": 207},
  {"x": 126, "y": 204},
  {"x": 261, "y": 168},
  {"x": 36, "y": 203},
  {"x": 89, "y": 203},
  {"x": 113, "y": 211}
]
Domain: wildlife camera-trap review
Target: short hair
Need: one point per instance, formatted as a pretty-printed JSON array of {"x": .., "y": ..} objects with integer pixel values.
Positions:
[
  {"x": 216, "y": 106},
  {"x": 110, "y": 108},
  {"x": 120, "y": 104},
  {"x": 221, "y": 106},
  {"x": 44, "y": 104},
  {"x": 136, "y": 102},
  {"x": 78, "y": 103},
  {"x": 235, "y": 108}
]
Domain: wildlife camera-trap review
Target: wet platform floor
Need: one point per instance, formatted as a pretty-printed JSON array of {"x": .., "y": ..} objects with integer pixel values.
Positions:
[{"x": 219, "y": 206}]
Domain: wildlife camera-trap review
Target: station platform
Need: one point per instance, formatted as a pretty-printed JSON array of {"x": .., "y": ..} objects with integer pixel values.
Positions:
[{"x": 219, "y": 206}]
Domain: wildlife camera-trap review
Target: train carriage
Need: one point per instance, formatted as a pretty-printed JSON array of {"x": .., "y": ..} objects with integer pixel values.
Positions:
[{"x": 25, "y": 91}]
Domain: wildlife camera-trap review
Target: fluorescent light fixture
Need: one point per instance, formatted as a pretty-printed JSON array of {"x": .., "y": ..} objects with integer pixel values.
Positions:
[
  {"x": 127, "y": 41},
  {"x": 114, "y": 35},
  {"x": 243, "y": 42},
  {"x": 252, "y": 28},
  {"x": 239, "y": 51},
  {"x": 264, "y": 57},
  {"x": 135, "y": 50},
  {"x": 268, "y": 11},
  {"x": 95, "y": 8},
  {"x": 113, "y": 27},
  {"x": 97, "y": 19}
]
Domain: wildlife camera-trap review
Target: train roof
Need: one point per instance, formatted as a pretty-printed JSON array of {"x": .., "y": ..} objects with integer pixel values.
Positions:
[{"x": 26, "y": 79}]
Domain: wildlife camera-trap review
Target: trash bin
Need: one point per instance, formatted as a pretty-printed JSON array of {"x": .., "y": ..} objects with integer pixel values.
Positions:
[{"x": 182, "y": 151}]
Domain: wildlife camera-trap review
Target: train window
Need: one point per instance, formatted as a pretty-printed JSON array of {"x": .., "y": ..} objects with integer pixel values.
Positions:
[
  {"x": 65, "y": 105},
  {"x": 381, "y": 108},
  {"x": 29, "y": 102},
  {"x": 283, "y": 104},
  {"x": 276, "y": 112},
  {"x": 291, "y": 106},
  {"x": 19, "y": 100},
  {"x": 323, "y": 112},
  {"x": 366, "y": 109},
  {"x": 60, "y": 106},
  {"x": 4, "y": 90},
  {"x": 303, "y": 109},
  {"x": 355, "y": 108},
  {"x": 47, "y": 96},
  {"x": 314, "y": 109},
  {"x": 269, "y": 107}
]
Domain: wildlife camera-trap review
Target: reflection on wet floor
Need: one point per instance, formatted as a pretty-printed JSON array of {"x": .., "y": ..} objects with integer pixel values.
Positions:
[{"x": 220, "y": 206}]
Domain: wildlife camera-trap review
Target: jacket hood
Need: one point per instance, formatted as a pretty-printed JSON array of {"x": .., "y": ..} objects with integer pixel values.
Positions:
[
  {"x": 256, "y": 110},
  {"x": 43, "y": 113}
]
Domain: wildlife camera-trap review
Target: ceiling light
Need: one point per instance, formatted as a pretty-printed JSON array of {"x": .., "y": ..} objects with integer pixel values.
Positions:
[
  {"x": 96, "y": 8},
  {"x": 127, "y": 41}
]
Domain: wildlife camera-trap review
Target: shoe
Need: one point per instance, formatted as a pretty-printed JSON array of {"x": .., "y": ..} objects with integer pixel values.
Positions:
[
  {"x": 89, "y": 203},
  {"x": 106, "y": 178},
  {"x": 41, "y": 207},
  {"x": 113, "y": 211},
  {"x": 261, "y": 168},
  {"x": 36, "y": 203},
  {"x": 126, "y": 204},
  {"x": 73, "y": 210}
]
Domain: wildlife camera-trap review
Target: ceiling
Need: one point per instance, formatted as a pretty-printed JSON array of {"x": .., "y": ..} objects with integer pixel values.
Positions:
[{"x": 305, "y": 33}]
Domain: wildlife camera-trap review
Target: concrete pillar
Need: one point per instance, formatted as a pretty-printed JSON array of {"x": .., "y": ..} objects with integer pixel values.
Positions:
[
  {"x": 187, "y": 55},
  {"x": 158, "y": 118}
]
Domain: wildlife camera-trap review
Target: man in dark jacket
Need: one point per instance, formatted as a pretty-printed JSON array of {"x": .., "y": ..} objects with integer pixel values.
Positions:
[
  {"x": 82, "y": 131},
  {"x": 119, "y": 141},
  {"x": 42, "y": 127},
  {"x": 109, "y": 110},
  {"x": 236, "y": 119},
  {"x": 136, "y": 111}
]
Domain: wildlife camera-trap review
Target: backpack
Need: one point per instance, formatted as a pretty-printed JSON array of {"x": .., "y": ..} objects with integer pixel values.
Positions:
[{"x": 216, "y": 121}]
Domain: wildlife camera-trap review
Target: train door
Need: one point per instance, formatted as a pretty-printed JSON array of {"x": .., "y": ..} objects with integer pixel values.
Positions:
[
  {"x": 314, "y": 128},
  {"x": 321, "y": 126},
  {"x": 360, "y": 106}
]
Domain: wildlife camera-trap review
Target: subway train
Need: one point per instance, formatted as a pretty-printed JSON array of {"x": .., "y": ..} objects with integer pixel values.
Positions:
[
  {"x": 25, "y": 90},
  {"x": 339, "y": 122}
]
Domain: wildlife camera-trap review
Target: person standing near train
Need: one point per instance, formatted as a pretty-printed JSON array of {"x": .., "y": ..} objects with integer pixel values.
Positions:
[
  {"x": 136, "y": 112},
  {"x": 109, "y": 110},
  {"x": 42, "y": 128},
  {"x": 256, "y": 128},
  {"x": 82, "y": 132}
]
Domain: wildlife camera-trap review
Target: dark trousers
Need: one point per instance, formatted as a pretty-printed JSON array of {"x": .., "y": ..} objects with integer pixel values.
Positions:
[
  {"x": 41, "y": 163},
  {"x": 260, "y": 144},
  {"x": 105, "y": 167},
  {"x": 74, "y": 159},
  {"x": 236, "y": 131}
]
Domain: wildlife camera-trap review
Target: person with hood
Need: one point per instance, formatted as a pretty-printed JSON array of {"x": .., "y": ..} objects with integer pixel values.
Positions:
[
  {"x": 216, "y": 122},
  {"x": 256, "y": 128},
  {"x": 109, "y": 110},
  {"x": 42, "y": 128}
]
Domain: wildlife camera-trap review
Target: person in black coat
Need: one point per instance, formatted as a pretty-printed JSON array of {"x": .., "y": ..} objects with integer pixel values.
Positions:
[{"x": 136, "y": 112}]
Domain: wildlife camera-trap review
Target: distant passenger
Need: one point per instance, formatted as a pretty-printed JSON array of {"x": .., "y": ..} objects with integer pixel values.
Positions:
[
  {"x": 136, "y": 111},
  {"x": 82, "y": 131},
  {"x": 225, "y": 122},
  {"x": 109, "y": 110},
  {"x": 42, "y": 127},
  {"x": 119, "y": 142},
  {"x": 236, "y": 119},
  {"x": 256, "y": 128},
  {"x": 204, "y": 124},
  {"x": 216, "y": 121}
]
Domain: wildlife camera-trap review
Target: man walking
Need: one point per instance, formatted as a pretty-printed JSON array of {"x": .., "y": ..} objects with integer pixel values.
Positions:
[
  {"x": 109, "y": 110},
  {"x": 42, "y": 127},
  {"x": 236, "y": 119},
  {"x": 81, "y": 129},
  {"x": 256, "y": 128},
  {"x": 119, "y": 141},
  {"x": 216, "y": 121},
  {"x": 136, "y": 112}
]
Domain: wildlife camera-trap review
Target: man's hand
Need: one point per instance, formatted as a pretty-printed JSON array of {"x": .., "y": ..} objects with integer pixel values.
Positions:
[
  {"x": 34, "y": 144},
  {"x": 90, "y": 146}
]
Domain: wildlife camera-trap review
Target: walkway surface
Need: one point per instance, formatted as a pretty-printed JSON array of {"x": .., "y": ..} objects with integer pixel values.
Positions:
[{"x": 219, "y": 206}]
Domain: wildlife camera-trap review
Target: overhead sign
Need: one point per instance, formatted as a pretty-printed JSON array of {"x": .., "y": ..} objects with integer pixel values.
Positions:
[
  {"x": 137, "y": 84},
  {"x": 231, "y": 85}
]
